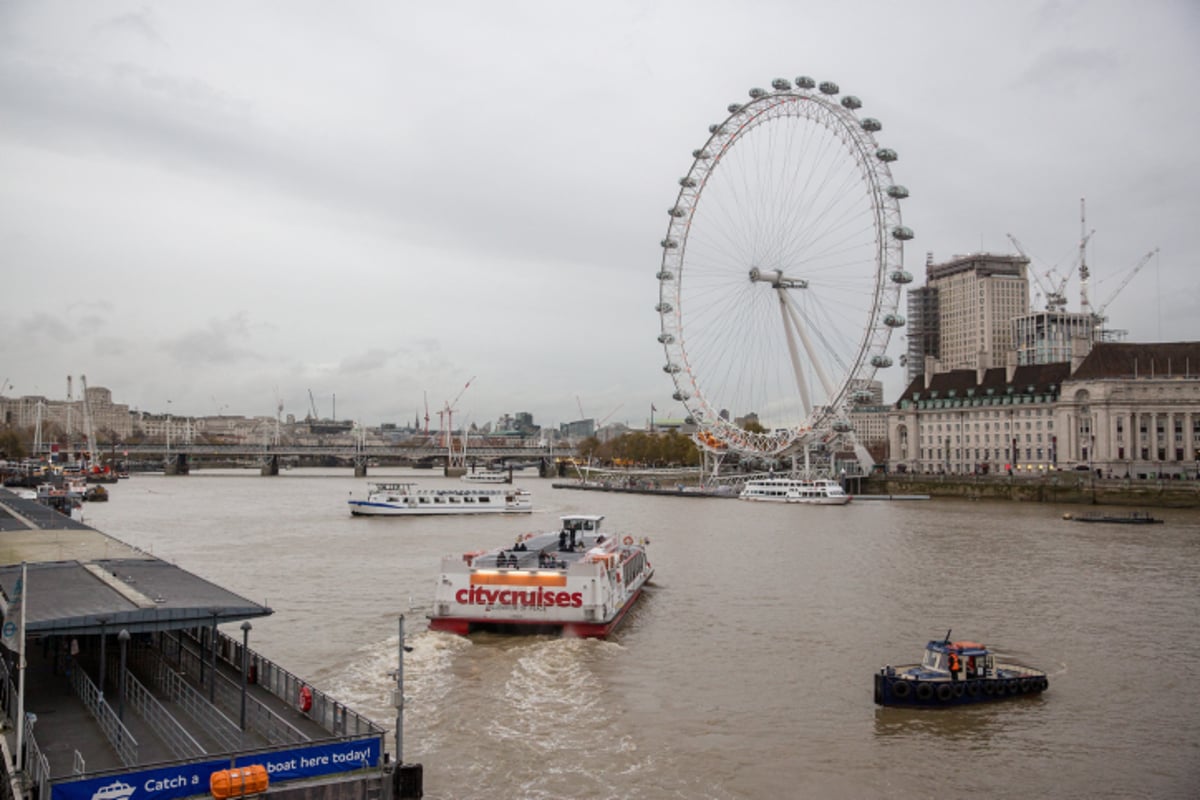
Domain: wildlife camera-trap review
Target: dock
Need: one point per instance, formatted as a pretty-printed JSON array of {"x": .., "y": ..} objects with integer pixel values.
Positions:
[{"x": 131, "y": 688}]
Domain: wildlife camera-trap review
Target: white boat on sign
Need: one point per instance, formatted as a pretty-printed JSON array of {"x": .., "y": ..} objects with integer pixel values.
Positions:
[
  {"x": 407, "y": 499},
  {"x": 816, "y": 491}
]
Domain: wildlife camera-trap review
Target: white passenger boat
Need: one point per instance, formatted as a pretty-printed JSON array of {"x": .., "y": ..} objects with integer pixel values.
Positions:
[
  {"x": 407, "y": 499},
  {"x": 577, "y": 580},
  {"x": 486, "y": 477},
  {"x": 816, "y": 491}
]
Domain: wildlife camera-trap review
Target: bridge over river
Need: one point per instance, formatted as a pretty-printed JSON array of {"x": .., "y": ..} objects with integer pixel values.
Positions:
[{"x": 179, "y": 458}]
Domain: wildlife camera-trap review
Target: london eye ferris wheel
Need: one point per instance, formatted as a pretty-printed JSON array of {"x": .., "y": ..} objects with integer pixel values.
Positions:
[{"x": 782, "y": 269}]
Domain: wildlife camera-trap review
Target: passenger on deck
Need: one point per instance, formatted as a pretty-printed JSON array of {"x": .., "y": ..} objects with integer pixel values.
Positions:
[
  {"x": 954, "y": 666},
  {"x": 562, "y": 540},
  {"x": 500, "y": 558},
  {"x": 600, "y": 539},
  {"x": 513, "y": 561}
]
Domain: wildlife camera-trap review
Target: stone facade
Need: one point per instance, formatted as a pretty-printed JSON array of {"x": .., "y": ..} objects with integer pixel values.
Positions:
[{"x": 1124, "y": 410}]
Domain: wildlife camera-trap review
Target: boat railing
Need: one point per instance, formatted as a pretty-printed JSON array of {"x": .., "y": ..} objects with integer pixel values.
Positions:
[{"x": 113, "y": 729}]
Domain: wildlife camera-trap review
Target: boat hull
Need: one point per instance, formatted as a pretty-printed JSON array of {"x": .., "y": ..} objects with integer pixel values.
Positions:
[
  {"x": 906, "y": 692},
  {"x": 463, "y": 626},
  {"x": 365, "y": 508}
]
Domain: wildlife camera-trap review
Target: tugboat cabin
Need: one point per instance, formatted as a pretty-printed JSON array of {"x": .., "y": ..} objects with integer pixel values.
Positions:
[{"x": 965, "y": 659}]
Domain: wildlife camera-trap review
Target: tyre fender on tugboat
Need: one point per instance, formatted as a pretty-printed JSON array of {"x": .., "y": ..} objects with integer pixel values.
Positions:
[
  {"x": 901, "y": 689},
  {"x": 924, "y": 691}
]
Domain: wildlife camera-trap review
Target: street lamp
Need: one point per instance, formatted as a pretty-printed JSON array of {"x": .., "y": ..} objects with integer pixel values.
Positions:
[
  {"x": 398, "y": 700},
  {"x": 123, "y": 638},
  {"x": 245, "y": 666}
]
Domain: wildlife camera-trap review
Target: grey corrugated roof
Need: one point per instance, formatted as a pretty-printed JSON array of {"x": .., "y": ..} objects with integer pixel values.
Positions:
[{"x": 99, "y": 583}]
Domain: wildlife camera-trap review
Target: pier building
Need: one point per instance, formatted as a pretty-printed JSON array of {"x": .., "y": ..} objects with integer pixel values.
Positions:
[{"x": 131, "y": 691}]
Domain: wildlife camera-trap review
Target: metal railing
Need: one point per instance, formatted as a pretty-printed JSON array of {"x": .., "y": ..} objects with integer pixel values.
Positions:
[
  {"x": 37, "y": 766},
  {"x": 176, "y": 737},
  {"x": 334, "y": 717},
  {"x": 227, "y": 695},
  {"x": 112, "y": 728},
  {"x": 151, "y": 663}
]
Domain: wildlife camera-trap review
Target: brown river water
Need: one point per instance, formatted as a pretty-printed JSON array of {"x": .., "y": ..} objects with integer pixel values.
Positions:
[{"x": 746, "y": 670}]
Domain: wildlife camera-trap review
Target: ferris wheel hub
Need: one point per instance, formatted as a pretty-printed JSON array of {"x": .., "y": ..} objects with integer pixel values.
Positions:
[{"x": 776, "y": 278}]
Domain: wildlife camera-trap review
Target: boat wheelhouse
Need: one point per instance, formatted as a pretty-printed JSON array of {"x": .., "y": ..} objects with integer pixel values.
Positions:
[
  {"x": 956, "y": 673},
  {"x": 407, "y": 499},
  {"x": 578, "y": 580},
  {"x": 816, "y": 491}
]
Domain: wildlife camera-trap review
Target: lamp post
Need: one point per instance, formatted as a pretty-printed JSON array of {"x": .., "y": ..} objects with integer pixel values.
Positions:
[
  {"x": 245, "y": 666},
  {"x": 103, "y": 639},
  {"x": 398, "y": 700},
  {"x": 123, "y": 638},
  {"x": 212, "y": 663}
]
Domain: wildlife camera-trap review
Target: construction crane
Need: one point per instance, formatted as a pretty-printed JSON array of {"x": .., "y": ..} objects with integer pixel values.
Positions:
[
  {"x": 1099, "y": 315},
  {"x": 1055, "y": 294},
  {"x": 426, "y": 413}
]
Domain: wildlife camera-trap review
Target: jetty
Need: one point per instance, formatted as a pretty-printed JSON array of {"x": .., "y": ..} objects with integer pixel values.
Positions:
[{"x": 129, "y": 685}]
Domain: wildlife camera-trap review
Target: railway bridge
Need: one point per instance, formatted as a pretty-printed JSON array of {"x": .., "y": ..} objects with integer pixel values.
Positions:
[{"x": 178, "y": 458}]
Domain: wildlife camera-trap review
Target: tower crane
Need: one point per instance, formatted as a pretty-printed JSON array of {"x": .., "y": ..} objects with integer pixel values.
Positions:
[
  {"x": 1098, "y": 315},
  {"x": 1055, "y": 294}
]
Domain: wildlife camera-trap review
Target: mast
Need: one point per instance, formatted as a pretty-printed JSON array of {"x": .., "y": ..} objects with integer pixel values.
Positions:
[{"x": 1084, "y": 305}]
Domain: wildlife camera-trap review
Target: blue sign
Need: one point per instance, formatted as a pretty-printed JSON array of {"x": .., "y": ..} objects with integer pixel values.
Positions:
[{"x": 185, "y": 780}]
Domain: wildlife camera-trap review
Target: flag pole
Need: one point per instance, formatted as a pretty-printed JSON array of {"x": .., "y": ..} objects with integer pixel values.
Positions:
[{"x": 21, "y": 673}]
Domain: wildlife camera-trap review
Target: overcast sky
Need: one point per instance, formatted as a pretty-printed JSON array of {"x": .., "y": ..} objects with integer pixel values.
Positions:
[{"x": 219, "y": 203}]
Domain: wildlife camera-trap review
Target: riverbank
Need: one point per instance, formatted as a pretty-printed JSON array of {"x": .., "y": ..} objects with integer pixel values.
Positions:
[{"x": 1063, "y": 487}]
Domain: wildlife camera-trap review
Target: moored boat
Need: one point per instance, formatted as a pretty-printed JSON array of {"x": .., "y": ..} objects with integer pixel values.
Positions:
[
  {"x": 956, "y": 673},
  {"x": 815, "y": 491},
  {"x": 407, "y": 499},
  {"x": 1132, "y": 518},
  {"x": 488, "y": 476},
  {"x": 577, "y": 580}
]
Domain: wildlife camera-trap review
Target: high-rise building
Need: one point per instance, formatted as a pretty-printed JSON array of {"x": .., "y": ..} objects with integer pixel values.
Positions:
[{"x": 977, "y": 297}]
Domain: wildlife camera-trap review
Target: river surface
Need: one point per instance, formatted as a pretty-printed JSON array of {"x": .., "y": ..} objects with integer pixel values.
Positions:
[{"x": 746, "y": 669}]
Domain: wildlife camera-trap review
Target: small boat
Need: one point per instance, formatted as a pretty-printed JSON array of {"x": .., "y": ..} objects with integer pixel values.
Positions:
[
  {"x": 1132, "y": 518},
  {"x": 486, "y": 477},
  {"x": 956, "y": 673},
  {"x": 406, "y": 499},
  {"x": 815, "y": 491},
  {"x": 577, "y": 581}
]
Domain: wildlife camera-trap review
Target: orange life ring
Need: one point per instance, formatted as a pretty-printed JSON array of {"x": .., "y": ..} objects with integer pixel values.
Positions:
[
  {"x": 628, "y": 540},
  {"x": 305, "y": 703}
]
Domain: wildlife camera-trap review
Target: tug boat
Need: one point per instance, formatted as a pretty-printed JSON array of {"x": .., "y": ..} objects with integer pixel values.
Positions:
[
  {"x": 976, "y": 678},
  {"x": 578, "y": 581},
  {"x": 406, "y": 499},
  {"x": 818, "y": 491}
]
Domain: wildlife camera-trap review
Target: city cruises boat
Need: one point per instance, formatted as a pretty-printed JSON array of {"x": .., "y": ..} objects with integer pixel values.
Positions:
[
  {"x": 407, "y": 499},
  {"x": 578, "y": 581},
  {"x": 956, "y": 673},
  {"x": 815, "y": 491}
]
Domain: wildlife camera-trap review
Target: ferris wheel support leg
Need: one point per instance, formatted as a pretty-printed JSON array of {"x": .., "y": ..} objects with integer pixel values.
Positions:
[
  {"x": 798, "y": 322},
  {"x": 793, "y": 351}
]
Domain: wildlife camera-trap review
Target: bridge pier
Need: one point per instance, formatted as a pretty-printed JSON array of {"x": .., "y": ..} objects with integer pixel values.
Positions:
[
  {"x": 270, "y": 465},
  {"x": 176, "y": 464}
]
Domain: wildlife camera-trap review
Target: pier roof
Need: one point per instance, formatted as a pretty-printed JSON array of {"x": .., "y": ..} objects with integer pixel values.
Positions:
[{"x": 81, "y": 581}]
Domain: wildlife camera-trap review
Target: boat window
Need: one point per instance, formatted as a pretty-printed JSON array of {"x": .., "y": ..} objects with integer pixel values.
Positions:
[{"x": 934, "y": 660}]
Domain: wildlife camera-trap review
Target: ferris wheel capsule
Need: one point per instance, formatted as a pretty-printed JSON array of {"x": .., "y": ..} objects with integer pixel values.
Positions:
[
  {"x": 871, "y": 125},
  {"x": 901, "y": 276},
  {"x": 886, "y": 154},
  {"x": 898, "y": 192},
  {"x": 881, "y": 361},
  {"x": 851, "y": 102},
  {"x": 828, "y": 87},
  {"x": 805, "y": 82},
  {"x": 781, "y": 85},
  {"x": 901, "y": 232},
  {"x": 664, "y": 308},
  {"x": 756, "y": 93},
  {"x": 894, "y": 320}
]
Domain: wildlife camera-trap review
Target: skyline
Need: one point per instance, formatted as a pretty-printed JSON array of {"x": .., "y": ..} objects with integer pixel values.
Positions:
[{"x": 231, "y": 206}]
